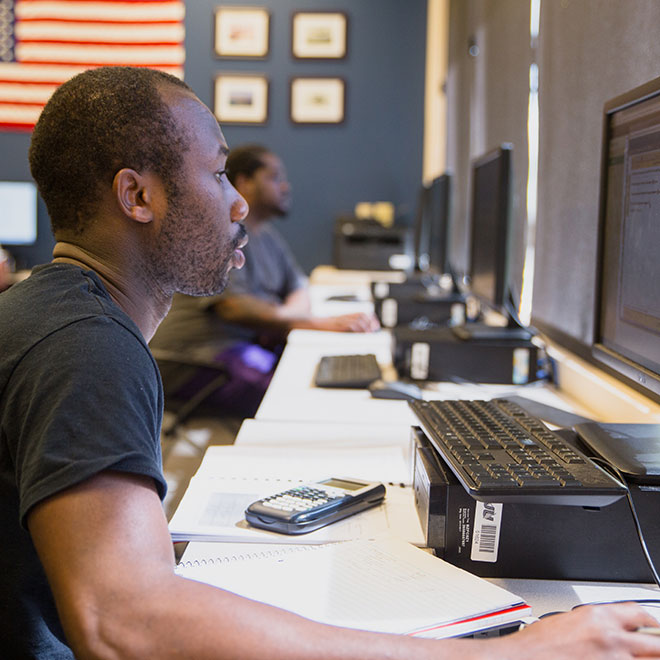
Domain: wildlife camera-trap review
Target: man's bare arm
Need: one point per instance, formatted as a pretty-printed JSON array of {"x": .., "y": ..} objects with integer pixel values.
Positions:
[
  {"x": 293, "y": 313},
  {"x": 108, "y": 556}
]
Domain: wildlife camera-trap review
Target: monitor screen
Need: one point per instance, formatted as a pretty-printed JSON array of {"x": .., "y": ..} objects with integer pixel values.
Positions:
[
  {"x": 432, "y": 226},
  {"x": 627, "y": 324},
  {"x": 18, "y": 220},
  {"x": 490, "y": 226}
]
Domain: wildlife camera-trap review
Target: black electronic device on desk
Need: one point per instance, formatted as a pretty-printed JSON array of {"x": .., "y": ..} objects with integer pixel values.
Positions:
[
  {"x": 439, "y": 354},
  {"x": 500, "y": 453},
  {"x": 634, "y": 449},
  {"x": 532, "y": 541},
  {"x": 368, "y": 245},
  {"x": 428, "y": 307},
  {"x": 347, "y": 371},
  {"x": 310, "y": 506}
]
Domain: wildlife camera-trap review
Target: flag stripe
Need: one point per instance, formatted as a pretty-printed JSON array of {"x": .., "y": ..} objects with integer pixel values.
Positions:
[
  {"x": 92, "y": 54},
  {"x": 101, "y": 11},
  {"x": 22, "y": 93},
  {"x": 44, "y": 31},
  {"x": 52, "y": 40}
]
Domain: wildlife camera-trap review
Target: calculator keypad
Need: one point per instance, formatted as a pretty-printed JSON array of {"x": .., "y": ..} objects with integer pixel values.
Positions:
[{"x": 302, "y": 498}]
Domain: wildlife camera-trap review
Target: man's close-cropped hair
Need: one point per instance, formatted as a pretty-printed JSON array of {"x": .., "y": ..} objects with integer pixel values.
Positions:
[
  {"x": 245, "y": 160},
  {"x": 95, "y": 124}
]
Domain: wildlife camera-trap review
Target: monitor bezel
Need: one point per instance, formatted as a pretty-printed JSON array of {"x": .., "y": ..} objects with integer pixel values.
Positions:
[
  {"x": 437, "y": 215},
  {"x": 505, "y": 214},
  {"x": 616, "y": 364}
]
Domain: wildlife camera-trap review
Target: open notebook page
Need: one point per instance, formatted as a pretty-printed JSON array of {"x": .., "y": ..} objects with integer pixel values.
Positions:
[{"x": 383, "y": 585}]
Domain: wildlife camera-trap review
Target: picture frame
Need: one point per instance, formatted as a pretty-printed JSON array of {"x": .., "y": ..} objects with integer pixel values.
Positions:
[
  {"x": 318, "y": 100},
  {"x": 241, "y": 98},
  {"x": 319, "y": 35},
  {"x": 242, "y": 31}
]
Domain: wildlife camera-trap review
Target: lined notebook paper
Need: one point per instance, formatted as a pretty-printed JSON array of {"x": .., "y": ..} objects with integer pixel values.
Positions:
[{"x": 384, "y": 585}]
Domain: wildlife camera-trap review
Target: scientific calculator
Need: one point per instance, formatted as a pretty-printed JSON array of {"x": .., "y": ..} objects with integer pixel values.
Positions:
[{"x": 307, "y": 507}]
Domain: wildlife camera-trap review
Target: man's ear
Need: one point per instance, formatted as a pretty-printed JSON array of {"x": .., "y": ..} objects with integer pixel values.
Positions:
[{"x": 134, "y": 194}]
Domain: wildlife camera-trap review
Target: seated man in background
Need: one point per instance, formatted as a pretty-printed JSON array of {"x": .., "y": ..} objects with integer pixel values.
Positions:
[
  {"x": 131, "y": 166},
  {"x": 244, "y": 329}
]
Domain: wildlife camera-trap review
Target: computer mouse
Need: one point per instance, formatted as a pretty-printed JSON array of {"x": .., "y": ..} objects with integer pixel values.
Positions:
[{"x": 394, "y": 389}]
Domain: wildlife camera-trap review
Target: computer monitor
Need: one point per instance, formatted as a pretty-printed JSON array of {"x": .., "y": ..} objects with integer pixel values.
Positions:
[
  {"x": 420, "y": 231},
  {"x": 431, "y": 229},
  {"x": 18, "y": 220},
  {"x": 490, "y": 228},
  {"x": 627, "y": 324},
  {"x": 437, "y": 222}
]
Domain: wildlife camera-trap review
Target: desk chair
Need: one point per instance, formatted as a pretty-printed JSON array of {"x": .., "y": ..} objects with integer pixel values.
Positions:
[{"x": 183, "y": 409}]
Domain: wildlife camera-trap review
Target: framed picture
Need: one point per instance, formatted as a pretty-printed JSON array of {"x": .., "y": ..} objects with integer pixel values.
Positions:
[
  {"x": 241, "y": 31},
  {"x": 317, "y": 100},
  {"x": 241, "y": 99},
  {"x": 319, "y": 34}
]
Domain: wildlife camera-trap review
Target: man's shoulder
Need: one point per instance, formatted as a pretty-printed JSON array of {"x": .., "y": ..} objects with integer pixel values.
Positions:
[
  {"x": 60, "y": 303},
  {"x": 58, "y": 293}
]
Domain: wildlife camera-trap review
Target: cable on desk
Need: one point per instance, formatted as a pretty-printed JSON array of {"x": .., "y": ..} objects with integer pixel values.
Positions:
[
  {"x": 546, "y": 368},
  {"x": 633, "y": 511}
]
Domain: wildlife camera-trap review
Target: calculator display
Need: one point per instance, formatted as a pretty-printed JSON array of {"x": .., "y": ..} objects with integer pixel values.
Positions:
[{"x": 340, "y": 483}]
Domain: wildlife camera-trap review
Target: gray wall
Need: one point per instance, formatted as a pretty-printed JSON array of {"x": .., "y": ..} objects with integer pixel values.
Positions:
[
  {"x": 375, "y": 154},
  {"x": 487, "y": 105},
  {"x": 590, "y": 51}
]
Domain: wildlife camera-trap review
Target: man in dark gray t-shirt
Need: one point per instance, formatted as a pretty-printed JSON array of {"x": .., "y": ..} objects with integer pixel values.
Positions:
[{"x": 245, "y": 328}]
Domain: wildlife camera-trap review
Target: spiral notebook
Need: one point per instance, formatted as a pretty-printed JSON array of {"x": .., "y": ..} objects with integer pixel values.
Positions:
[
  {"x": 382, "y": 585},
  {"x": 230, "y": 478}
]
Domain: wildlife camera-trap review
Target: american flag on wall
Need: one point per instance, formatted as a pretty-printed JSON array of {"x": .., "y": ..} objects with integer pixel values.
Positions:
[{"x": 45, "y": 42}]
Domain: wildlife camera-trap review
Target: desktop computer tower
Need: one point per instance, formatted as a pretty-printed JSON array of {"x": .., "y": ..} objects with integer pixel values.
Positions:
[
  {"x": 421, "y": 308},
  {"x": 438, "y": 354},
  {"x": 534, "y": 541}
]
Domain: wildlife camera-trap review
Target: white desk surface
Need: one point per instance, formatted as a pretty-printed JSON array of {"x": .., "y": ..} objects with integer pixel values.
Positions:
[
  {"x": 546, "y": 596},
  {"x": 337, "y": 276},
  {"x": 348, "y": 341},
  {"x": 322, "y": 305},
  {"x": 292, "y": 396},
  {"x": 306, "y": 434}
]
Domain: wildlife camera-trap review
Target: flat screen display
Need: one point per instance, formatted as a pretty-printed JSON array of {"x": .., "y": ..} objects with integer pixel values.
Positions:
[
  {"x": 628, "y": 301},
  {"x": 18, "y": 218}
]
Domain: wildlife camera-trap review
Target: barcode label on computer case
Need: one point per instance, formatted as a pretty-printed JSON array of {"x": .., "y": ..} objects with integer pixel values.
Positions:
[
  {"x": 486, "y": 537},
  {"x": 520, "y": 366},
  {"x": 389, "y": 312},
  {"x": 420, "y": 353},
  {"x": 381, "y": 290}
]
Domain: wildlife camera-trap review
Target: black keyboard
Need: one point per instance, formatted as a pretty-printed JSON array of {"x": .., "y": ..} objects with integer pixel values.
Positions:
[
  {"x": 350, "y": 371},
  {"x": 500, "y": 453}
]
